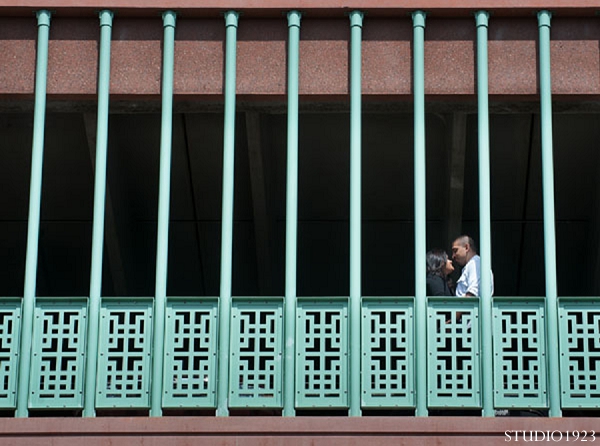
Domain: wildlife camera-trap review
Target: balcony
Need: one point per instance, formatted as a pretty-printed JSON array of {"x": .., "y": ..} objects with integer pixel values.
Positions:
[{"x": 321, "y": 365}]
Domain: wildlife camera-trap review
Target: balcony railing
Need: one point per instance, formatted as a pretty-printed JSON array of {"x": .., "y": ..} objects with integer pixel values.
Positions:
[{"x": 321, "y": 371}]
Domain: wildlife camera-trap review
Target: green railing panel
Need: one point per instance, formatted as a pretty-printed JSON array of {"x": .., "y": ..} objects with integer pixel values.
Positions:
[
  {"x": 255, "y": 374},
  {"x": 520, "y": 379},
  {"x": 322, "y": 353},
  {"x": 453, "y": 352},
  {"x": 190, "y": 367},
  {"x": 10, "y": 329},
  {"x": 387, "y": 346},
  {"x": 579, "y": 328},
  {"x": 58, "y": 354},
  {"x": 124, "y": 353}
]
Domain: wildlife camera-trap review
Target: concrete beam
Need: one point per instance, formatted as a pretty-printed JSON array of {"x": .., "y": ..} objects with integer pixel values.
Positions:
[
  {"x": 458, "y": 143},
  {"x": 193, "y": 188},
  {"x": 262, "y": 221},
  {"x": 111, "y": 237}
]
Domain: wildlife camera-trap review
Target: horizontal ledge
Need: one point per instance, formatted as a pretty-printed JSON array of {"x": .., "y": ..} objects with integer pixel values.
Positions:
[
  {"x": 286, "y": 426},
  {"x": 191, "y": 8}
]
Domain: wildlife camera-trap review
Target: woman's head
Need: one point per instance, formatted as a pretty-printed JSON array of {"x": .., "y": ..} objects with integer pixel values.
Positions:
[{"x": 438, "y": 263}]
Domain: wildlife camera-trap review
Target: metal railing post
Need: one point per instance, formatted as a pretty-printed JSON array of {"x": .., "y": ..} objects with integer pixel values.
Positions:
[
  {"x": 164, "y": 195},
  {"x": 356, "y": 22},
  {"x": 544, "y": 18},
  {"x": 106, "y": 20},
  {"x": 291, "y": 214},
  {"x": 231, "y": 24},
  {"x": 481, "y": 20},
  {"x": 35, "y": 198},
  {"x": 420, "y": 214}
]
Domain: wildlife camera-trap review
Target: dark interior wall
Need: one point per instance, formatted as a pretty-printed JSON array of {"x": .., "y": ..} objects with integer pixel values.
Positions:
[{"x": 323, "y": 208}]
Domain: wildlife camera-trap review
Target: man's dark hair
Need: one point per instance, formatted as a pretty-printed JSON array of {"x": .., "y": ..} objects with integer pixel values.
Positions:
[{"x": 464, "y": 239}]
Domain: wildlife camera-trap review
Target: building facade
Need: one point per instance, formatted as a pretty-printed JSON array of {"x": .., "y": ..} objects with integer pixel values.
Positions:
[{"x": 218, "y": 214}]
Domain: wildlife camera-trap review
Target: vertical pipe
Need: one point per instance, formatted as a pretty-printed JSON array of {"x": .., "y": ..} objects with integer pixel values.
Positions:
[
  {"x": 164, "y": 194},
  {"x": 548, "y": 197},
  {"x": 291, "y": 212},
  {"x": 481, "y": 20},
  {"x": 231, "y": 24},
  {"x": 106, "y": 20},
  {"x": 420, "y": 216},
  {"x": 356, "y": 22},
  {"x": 35, "y": 198}
]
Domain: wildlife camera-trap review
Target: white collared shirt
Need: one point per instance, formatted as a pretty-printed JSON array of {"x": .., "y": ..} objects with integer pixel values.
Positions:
[{"x": 470, "y": 278}]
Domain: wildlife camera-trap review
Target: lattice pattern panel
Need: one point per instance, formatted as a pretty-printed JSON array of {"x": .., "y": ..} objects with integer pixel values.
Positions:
[
  {"x": 579, "y": 328},
  {"x": 453, "y": 353},
  {"x": 58, "y": 354},
  {"x": 10, "y": 334},
  {"x": 255, "y": 376},
  {"x": 322, "y": 353},
  {"x": 387, "y": 353},
  {"x": 125, "y": 354},
  {"x": 519, "y": 354},
  {"x": 190, "y": 354}
]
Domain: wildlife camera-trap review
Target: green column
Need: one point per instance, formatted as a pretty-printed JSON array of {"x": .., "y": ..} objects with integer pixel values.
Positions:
[
  {"x": 356, "y": 21},
  {"x": 291, "y": 213},
  {"x": 481, "y": 20},
  {"x": 420, "y": 216},
  {"x": 164, "y": 194},
  {"x": 35, "y": 198},
  {"x": 549, "y": 227},
  {"x": 231, "y": 24},
  {"x": 106, "y": 19}
]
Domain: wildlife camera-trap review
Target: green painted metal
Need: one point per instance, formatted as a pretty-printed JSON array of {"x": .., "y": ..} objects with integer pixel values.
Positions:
[
  {"x": 418, "y": 18},
  {"x": 125, "y": 353},
  {"x": 35, "y": 198},
  {"x": 58, "y": 354},
  {"x": 190, "y": 361},
  {"x": 231, "y": 24},
  {"x": 579, "y": 327},
  {"x": 106, "y": 19},
  {"x": 387, "y": 344},
  {"x": 520, "y": 379},
  {"x": 322, "y": 353},
  {"x": 548, "y": 198},
  {"x": 10, "y": 326},
  {"x": 485, "y": 220},
  {"x": 453, "y": 349},
  {"x": 356, "y": 22},
  {"x": 255, "y": 376},
  {"x": 164, "y": 194},
  {"x": 291, "y": 228}
]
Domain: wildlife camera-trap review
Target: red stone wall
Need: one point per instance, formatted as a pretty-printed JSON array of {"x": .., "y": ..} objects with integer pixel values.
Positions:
[
  {"x": 324, "y": 57},
  {"x": 299, "y": 431}
]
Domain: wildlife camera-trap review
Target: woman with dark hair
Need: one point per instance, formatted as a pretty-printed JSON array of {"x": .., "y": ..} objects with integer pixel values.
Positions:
[{"x": 438, "y": 268}]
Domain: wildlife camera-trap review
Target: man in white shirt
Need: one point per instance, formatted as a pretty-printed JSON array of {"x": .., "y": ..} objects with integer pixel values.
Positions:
[{"x": 465, "y": 255}]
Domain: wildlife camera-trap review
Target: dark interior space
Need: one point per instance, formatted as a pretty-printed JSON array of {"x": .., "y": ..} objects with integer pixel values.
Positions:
[{"x": 323, "y": 207}]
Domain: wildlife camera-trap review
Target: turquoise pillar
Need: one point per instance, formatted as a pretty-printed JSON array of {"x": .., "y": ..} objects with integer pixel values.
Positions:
[
  {"x": 544, "y": 18},
  {"x": 485, "y": 233},
  {"x": 164, "y": 195},
  {"x": 35, "y": 199},
  {"x": 291, "y": 214},
  {"x": 356, "y": 22},
  {"x": 420, "y": 215},
  {"x": 106, "y": 20},
  {"x": 231, "y": 24}
]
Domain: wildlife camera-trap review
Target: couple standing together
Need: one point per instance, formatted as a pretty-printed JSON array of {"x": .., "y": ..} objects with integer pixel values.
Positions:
[{"x": 439, "y": 266}]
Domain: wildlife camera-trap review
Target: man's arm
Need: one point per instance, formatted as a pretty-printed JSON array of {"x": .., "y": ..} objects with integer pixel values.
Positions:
[{"x": 472, "y": 279}]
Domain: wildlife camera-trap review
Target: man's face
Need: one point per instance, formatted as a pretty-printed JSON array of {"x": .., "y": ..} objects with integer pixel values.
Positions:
[{"x": 459, "y": 252}]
